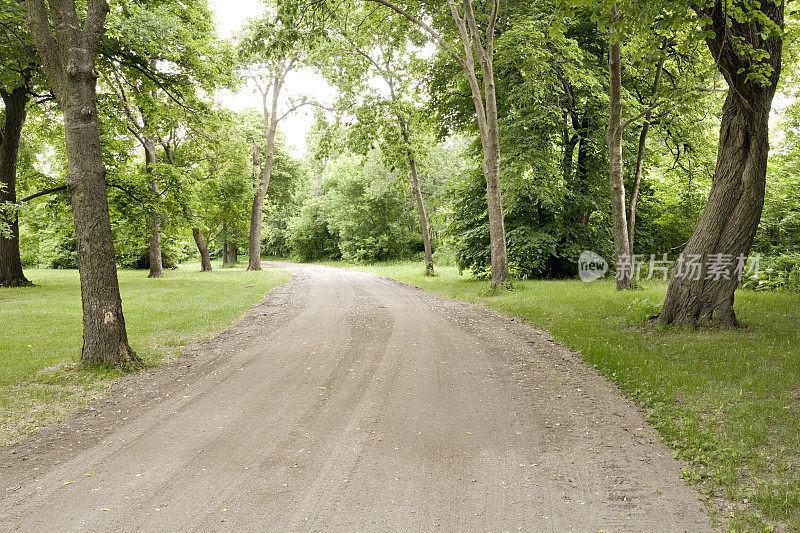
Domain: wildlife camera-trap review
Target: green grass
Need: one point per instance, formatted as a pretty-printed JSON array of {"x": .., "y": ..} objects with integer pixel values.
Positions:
[
  {"x": 726, "y": 401},
  {"x": 41, "y": 332}
]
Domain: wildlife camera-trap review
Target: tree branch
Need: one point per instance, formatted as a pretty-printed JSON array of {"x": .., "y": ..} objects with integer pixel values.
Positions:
[
  {"x": 93, "y": 28},
  {"x": 303, "y": 104},
  {"x": 425, "y": 27},
  {"x": 39, "y": 24},
  {"x": 43, "y": 193},
  {"x": 643, "y": 113},
  {"x": 469, "y": 16}
]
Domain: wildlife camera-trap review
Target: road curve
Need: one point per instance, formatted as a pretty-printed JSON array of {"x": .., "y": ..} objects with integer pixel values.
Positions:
[{"x": 349, "y": 402}]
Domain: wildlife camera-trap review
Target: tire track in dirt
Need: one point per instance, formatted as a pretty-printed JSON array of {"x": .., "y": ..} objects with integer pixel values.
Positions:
[{"x": 350, "y": 402}]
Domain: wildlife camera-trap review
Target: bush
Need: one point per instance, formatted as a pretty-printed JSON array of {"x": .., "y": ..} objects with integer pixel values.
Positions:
[
  {"x": 776, "y": 273},
  {"x": 544, "y": 237},
  {"x": 360, "y": 212},
  {"x": 307, "y": 233},
  {"x": 369, "y": 212},
  {"x": 61, "y": 254}
]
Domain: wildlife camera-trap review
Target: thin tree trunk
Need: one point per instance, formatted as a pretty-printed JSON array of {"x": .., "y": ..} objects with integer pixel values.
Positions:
[
  {"x": 233, "y": 248},
  {"x": 423, "y": 217},
  {"x": 730, "y": 219},
  {"x": 637, "y": 182},
  {"x": 497, "y": 231},
  {"x": 489, "y": 126},
  {"x": 199, "y": 240},
  {"x": 202, "y": 247},
  {"x": 622, "y": 252},
  {"x": 11, "y": 274},
  {"x": 270, "y": 127},
  {"x": 568, "y": 157},
  {"x": 254, "y": 261},
  {"x": 491, "y": 157},
  {"x": 69, "y": 50},
  {"x": 156, "y": 262},
  {"x": 582, "y": 166},
  {"x": 640, "y": 157},
  {"x": 225, "y": 256},
  {"x": 485, "y": 102},
  {"x": 412, "y": 163}
]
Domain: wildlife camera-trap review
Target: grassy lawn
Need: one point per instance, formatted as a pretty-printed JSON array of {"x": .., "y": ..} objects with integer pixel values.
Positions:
[
  {"x": 728, "y": 402},
  {"x": 41, "y": 332}
]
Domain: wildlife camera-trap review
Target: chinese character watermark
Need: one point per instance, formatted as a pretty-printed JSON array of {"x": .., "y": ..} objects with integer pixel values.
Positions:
[{"x": 694, "y": 267}]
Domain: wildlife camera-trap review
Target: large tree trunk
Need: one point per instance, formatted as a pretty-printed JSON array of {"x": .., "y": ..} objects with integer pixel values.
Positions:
[
  {"x": 254, "y": 262},
  {"x": 497, "y": 229},
  {"x": 616, "y": 180},
  {"x": 202, "y": 247},
  {"x": 728, "y": 223},
  {"x": 726, "y": 229},
  {"x": 105, "y": 340},
  {"x": 68, "y": 52},
  {"x": 156, "y": 262},
  {"x": 11, "y": 274}
]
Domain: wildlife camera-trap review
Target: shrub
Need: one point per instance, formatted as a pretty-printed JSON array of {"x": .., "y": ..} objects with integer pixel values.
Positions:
[
  {"x": 776, "y": 273},
  {"x": 307, "y": 233}
]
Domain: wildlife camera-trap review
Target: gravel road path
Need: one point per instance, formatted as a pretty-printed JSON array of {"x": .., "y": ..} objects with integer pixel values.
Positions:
[{"x": 349, "y": 402}]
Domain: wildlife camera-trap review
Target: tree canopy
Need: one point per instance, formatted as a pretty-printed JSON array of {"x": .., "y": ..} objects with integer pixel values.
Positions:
[{"x": 504, "y": 137}]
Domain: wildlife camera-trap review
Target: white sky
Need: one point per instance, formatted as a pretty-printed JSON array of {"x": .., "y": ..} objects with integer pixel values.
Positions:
[{"x": 230, "y": 16}]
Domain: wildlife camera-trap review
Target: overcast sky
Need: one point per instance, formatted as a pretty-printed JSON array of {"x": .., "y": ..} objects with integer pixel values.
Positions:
[{"x": 230, "y": 16}]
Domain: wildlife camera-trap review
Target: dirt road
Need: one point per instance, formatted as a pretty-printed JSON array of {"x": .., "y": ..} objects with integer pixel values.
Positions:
[{"x": 348, "y": 402}]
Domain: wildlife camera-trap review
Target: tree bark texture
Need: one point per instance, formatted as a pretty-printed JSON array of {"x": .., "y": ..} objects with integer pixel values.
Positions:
[
  {"x": 616, "y": 179},
  {"x": 69, "y": 49},
  {"x": 202, "y": 247},
  {"x": 270, "y": 130},
  {"x": 733, "y": 211},
  {"x": 11, "y": 274}
]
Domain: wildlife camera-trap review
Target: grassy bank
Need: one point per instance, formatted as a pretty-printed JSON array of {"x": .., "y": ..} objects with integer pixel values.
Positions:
[
  {"x": 727, "y": 401},
  {"x": 41, "y": 332}
]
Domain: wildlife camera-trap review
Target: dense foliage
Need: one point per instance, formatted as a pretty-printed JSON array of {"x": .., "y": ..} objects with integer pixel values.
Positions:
[{"x": 352, "y": 196}]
